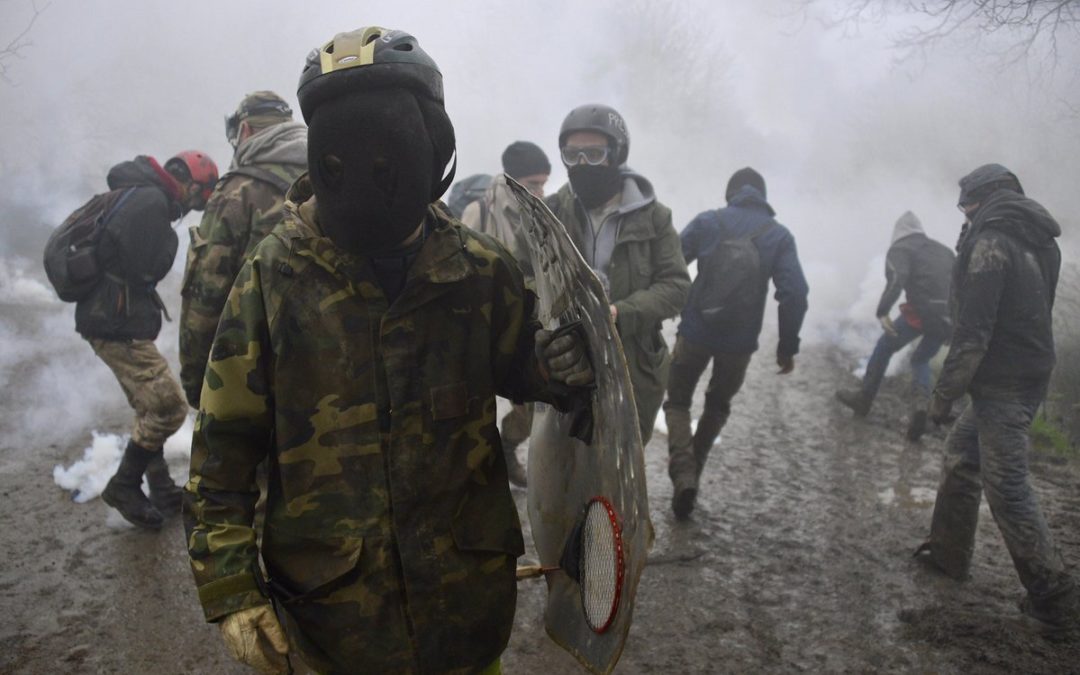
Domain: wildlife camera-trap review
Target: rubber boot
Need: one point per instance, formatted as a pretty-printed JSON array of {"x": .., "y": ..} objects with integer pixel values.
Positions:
[
  {"x": 124, "y": 491},
  {"x": 165, "y": 495},
  {"x": 856, "y": 400},
  {"x": 682, "y": 466},
  {"x": 515, "y": 470}
]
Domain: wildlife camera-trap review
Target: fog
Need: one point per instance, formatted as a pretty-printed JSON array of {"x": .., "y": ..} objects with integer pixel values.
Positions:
[{"x": 847, "y": 134}]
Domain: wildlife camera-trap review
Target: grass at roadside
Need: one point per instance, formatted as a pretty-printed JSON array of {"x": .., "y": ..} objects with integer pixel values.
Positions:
[{"x": 1050, "y": 439}]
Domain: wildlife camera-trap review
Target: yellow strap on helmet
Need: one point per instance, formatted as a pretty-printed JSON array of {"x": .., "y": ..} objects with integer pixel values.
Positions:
[{"x": 348, "y": 50}]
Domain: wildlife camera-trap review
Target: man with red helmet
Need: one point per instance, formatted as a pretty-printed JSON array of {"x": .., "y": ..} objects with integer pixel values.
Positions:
[{"x": 121, "y": 318}]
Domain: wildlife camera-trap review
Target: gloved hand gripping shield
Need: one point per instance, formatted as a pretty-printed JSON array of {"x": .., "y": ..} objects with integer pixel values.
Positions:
[{"x": 588, "y": 504}]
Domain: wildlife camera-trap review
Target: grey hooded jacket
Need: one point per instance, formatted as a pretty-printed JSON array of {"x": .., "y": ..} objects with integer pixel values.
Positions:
[{"x": 921, "y": 268}]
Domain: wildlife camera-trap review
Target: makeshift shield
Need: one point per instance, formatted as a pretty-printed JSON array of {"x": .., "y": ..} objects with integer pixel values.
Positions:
[{"x": 587, "y": 502}]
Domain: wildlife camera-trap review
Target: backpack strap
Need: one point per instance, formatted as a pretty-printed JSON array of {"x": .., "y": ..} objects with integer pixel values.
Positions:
[
  {"x": 261, "y": 174},
  {"x": 751, "y": 235},
  {"x": 761, "y": 229},
  {"x": 116, "y": 207}
]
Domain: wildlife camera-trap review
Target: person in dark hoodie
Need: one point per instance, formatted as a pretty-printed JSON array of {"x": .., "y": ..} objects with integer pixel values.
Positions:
[
  {"x": 738, "y": 249},
  {"x": 921, "y": 268},
  {"x": 121, "y": 319},
  {"x": 1002, "y": 354},
  {"x": 626, "y": 236}
]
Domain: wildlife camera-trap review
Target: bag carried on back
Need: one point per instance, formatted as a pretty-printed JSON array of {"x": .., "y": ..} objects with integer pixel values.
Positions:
[
  {"x": 71, "y": 261},
  {"x": 730, "y": 277},
  {"x": 466, "y": 191}
]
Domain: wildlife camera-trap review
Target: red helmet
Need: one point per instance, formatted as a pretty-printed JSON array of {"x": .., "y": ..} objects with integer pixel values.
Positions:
[{"x": 202, "y": 169}]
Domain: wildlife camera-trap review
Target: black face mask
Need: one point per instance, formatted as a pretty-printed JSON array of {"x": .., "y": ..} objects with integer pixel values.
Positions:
[
  {"x": 371, "y": 163},
  {"x": 594, "y": 185}
]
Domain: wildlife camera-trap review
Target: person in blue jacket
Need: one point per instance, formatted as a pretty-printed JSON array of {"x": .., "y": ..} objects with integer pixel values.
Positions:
[{"x": 739, "y": 249}]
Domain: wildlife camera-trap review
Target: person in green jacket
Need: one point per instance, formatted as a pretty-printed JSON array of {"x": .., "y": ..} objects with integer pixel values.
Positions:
[
  {"x": 611, "y": 213},
  {"x": 359, "y": 354},
  {"x": 270, "y": 153}
]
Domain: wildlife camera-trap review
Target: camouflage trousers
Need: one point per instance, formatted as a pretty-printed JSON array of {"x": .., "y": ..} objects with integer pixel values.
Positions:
[
  {"x": 987, "y": 451},
  {"x": 150, "y": 387}
]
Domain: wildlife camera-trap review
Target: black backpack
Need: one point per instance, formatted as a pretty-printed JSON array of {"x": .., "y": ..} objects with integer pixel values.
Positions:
[
  {"x": 730, "y": 276},
  {"x": 71, "y": 253},
  {"x": 466, "y": 191}
]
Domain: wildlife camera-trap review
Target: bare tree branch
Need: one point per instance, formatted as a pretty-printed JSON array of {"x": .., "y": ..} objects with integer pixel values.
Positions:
[
  {"x": 19, "y": 43},
  {"x": 1031, "y": 23}
]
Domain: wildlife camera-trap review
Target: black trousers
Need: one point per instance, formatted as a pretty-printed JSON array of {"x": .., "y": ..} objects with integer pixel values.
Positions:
[{"x": 688, "y": 363}]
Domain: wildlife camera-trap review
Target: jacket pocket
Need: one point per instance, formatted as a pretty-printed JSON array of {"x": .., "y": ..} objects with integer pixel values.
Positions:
[
  {"x": 305, "y": 568},
  {"x": 449, "y": 401},
  {"x": 486, "y": 521},
  {"x": 196, "y": 252}
]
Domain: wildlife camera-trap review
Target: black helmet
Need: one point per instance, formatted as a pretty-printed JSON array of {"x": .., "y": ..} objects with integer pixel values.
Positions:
[
  {"x": 602, "y": 119},
  {"x": 988, "y": 178},
  {"x": 369, "y": 57}
]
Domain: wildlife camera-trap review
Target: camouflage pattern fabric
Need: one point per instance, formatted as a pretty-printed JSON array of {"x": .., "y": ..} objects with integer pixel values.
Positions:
[
  {"x": 240, "y": 213},
  {"x": 390, "y": 535},
  {"x": 150, "y": 388}
]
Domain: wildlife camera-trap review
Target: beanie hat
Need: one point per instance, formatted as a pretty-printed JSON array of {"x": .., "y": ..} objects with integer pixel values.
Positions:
[{"x": 523, "y": 158}]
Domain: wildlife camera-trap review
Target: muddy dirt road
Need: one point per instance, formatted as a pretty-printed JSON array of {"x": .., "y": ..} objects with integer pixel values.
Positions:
[{"x": 798, "y": 558}]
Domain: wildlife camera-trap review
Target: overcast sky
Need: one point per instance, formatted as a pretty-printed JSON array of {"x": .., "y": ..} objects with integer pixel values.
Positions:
[{"x": 846, "y": 138}]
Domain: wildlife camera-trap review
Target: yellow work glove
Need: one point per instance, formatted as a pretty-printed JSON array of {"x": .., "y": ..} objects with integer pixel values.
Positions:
[{"x": 254, "y": 637}]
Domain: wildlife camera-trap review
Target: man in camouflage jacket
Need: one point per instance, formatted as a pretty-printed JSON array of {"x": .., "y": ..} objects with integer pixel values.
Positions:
[
  {"x": 270, "y": 153},
  {"x": 365, "y": 375}
]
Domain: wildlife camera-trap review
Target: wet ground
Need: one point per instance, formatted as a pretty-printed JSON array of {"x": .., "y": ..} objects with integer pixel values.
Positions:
[{"x": 797, "y": 558}]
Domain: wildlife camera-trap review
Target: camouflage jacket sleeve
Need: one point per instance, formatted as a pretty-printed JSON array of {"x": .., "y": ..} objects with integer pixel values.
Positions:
[
  {"x": 232, "y": 436},
  {"x": 514, "y": 325},
  {"x": 216, "y": 252}
]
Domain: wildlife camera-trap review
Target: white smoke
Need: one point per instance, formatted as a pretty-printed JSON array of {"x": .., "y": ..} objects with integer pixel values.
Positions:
[
  {"x": 846, "y": 139},
  {"x": 86, "y": 477}
]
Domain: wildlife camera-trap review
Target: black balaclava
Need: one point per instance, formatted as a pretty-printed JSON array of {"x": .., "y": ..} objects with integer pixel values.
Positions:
[
  {"x": 372, "y": 164},
  {"x": 594, "y": 185}
]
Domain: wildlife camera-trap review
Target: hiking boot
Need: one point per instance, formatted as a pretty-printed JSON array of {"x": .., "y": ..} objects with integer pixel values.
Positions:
[
  {"x": 684, "y": 481},
  {"x": 682, "y": 501},
  {"x": 165, "y": 495},
  {"x": 124, "y": 491},
  {"x": 856, "y": 400},
  {"x": 515, "y": 470}
]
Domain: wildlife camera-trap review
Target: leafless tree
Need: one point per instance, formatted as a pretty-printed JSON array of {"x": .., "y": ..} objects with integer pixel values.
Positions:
[
  {"x": 19, "y": 43},
  {"x": 1029, "y": 25}
]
